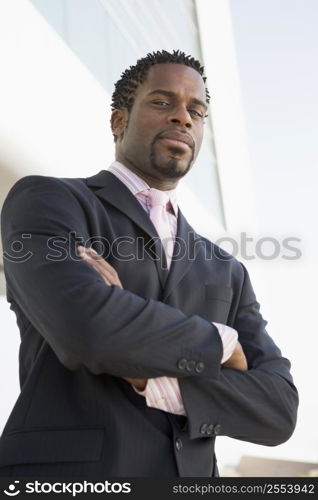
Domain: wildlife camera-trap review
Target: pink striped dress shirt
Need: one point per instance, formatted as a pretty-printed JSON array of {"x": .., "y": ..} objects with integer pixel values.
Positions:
[{"x": 163, "y": 393}]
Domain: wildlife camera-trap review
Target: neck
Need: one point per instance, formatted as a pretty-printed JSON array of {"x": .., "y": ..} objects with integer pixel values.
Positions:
[{"x": 163, "y": 184}]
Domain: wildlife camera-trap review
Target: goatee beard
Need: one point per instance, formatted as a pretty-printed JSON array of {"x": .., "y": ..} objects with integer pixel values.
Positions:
[{"x": 170, "y": 169}]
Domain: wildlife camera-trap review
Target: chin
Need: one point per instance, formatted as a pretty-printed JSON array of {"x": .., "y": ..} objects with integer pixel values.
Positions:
[{"x": 172, "y": 167}]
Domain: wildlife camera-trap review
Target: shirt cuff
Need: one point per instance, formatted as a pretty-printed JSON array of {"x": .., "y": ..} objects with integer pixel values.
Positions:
[
  {"x": 229, "y": 337},
  {"x": 163, "y": 393}
]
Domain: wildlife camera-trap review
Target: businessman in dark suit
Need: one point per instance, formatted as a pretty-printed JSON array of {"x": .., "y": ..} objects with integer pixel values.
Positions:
[{"x": 99, "y": 330}]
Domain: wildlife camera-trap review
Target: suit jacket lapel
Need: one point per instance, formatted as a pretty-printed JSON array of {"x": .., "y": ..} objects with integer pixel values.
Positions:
[
  {"x": 185, "y": 251},
  {"x": 113, "y": 191}
]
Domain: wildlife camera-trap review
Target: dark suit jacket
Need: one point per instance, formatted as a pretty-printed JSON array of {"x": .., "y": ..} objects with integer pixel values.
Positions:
[{"x": 75, "y": 416}]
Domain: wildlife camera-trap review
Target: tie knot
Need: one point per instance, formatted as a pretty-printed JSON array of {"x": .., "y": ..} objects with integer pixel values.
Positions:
[{"x": 158, "y": 198}]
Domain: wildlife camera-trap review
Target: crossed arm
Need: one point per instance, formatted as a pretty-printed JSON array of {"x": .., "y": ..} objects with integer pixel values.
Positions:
[{"x": 109, "y": 274}]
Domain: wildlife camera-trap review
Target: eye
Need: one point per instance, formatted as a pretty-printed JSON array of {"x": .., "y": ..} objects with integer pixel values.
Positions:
[
  {"x": 196, "y": 114},
  {"x": 161, "y": 103}
]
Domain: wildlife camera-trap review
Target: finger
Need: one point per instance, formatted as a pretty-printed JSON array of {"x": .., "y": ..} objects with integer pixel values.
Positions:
[
  {"x": 105, "y": 265},
  {"x": 100, "y": 265},
  {"x": 86, "y": 254},
  {"x": 105, "y": 278},
  {"x": 80, "y": 250},
  {"x": 87, "y": 251},
  {"x": 94, "y": 263},
  {"x": 97, "y": 256},
  {"x": 93, "y": 252},
  {"x": 101, "y": 269}
]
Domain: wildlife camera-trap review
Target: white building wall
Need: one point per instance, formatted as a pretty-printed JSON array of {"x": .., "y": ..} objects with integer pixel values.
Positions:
[{"x": 277, "y": 49}]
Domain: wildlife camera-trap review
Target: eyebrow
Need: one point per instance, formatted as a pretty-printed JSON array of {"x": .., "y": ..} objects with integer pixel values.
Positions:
[{"x": 168, "y": 93}]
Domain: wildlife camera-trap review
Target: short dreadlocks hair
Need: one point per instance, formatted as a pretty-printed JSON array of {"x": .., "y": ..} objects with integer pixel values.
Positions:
[{"x": 125, "y": 87}]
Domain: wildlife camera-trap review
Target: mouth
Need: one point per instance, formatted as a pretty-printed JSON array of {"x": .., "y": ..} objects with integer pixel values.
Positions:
[
  {"x": 175, "y": 143},
  {"x": 180, "y": 142}
]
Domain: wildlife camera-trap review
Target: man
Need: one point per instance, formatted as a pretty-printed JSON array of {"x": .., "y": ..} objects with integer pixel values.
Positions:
[{"x": 134, "y": 360}]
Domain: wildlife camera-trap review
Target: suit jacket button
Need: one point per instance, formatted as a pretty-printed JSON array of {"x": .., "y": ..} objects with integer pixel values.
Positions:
[
  {"x": 178, "y": 444},
  {"x": 191, "y": 365},
  {"x": 217, "y": 429},
  {"x": 210, "y": 429},
  {"x": 203, "y": 428},
  {"x": 199, "y": 367},
  {"x": 182, "y": 363}
]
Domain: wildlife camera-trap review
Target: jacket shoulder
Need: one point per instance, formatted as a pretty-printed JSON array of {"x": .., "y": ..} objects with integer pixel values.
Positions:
[
  {"x": 33, "y": 185},
  {"x": 29, "y": 181}
]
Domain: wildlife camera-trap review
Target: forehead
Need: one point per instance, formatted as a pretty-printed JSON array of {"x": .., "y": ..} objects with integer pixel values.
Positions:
[{"x": 176, "y": 78}]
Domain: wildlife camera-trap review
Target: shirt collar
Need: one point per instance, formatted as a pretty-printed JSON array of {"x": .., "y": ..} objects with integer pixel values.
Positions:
[{"x": 136, "y": 184}]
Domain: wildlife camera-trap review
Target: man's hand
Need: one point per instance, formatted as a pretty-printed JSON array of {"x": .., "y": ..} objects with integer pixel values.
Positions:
[
  {"x": 100, "y": 265},
  {"x": 237, "y": 360},
  {"x": 139, "y": 383},
  {"x": 111, "y": 278}
]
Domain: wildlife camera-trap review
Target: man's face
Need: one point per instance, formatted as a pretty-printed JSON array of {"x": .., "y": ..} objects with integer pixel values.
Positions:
[{"x": 165, "y": 126}]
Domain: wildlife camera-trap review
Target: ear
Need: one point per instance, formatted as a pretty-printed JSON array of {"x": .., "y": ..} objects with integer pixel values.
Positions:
[{"x": 118, "y": 122}]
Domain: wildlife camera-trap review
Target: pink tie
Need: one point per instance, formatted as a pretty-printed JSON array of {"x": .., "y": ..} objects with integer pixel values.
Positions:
[
  {"x": 159, "y": 217},
  {"x": 162, "y": 393}
]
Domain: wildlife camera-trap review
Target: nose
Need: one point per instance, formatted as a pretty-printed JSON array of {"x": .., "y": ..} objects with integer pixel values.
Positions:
[{"x": 180, "y": 116}]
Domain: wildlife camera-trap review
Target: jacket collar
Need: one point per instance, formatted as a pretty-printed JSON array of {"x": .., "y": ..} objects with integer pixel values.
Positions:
[{"x": 110, "y": 189}]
